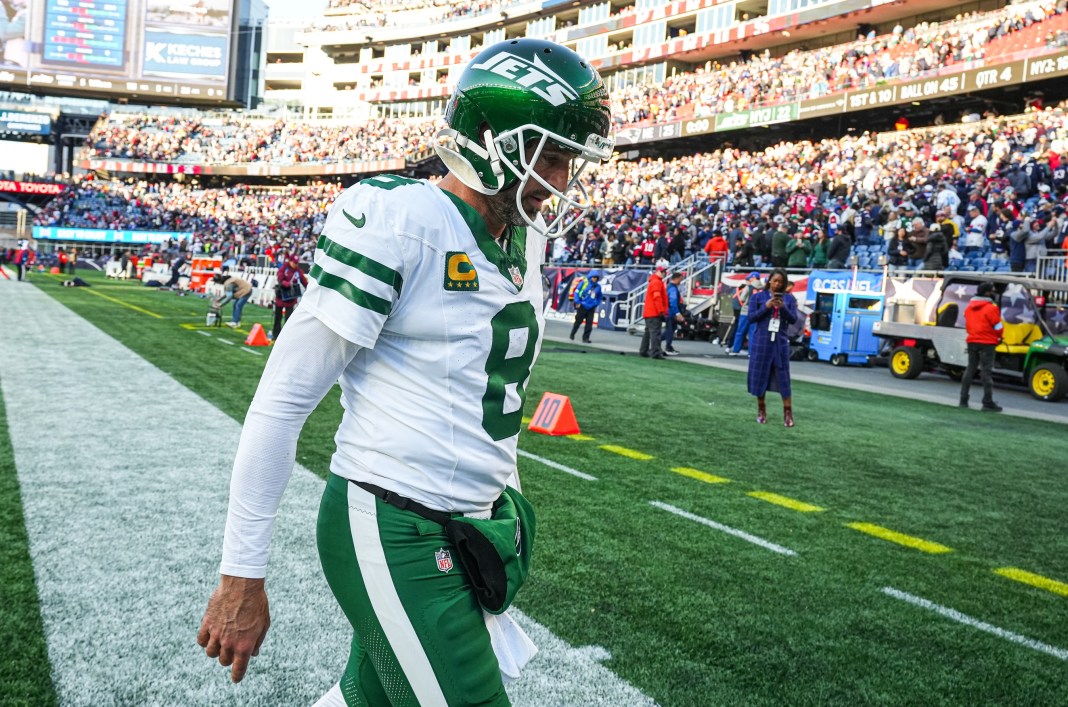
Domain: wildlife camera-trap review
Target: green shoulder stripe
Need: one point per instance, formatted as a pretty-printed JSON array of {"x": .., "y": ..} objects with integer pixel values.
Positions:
[
  {"x": 368, "y": 266},
  {"x": 351, "y": 292},
  {"x": 388, "y": 181}
]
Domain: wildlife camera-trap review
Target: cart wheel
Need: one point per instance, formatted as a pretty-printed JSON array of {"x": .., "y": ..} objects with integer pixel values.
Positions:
[
  {"x": 906, "y": 362},
  {"x": 955, "y": 373},
  {"x": 1048, "y": 382},
  {"x": 811, "y": 355},
  {"x": 838, "y": 360}
]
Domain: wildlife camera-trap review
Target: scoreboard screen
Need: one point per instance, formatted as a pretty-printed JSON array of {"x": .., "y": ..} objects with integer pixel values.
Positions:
[
  {"x": 151, "y": 51},
  {"x": 91, "y": 33}
]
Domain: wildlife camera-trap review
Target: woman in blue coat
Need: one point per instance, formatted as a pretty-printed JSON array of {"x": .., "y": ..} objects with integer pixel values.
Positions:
[{"x": 771, "y": 312}]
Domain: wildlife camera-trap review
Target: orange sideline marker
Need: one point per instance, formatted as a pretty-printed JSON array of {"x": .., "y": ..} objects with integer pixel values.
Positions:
[
  {"x": 257, "y": 337},
  {"x": 554, "y": 416}
]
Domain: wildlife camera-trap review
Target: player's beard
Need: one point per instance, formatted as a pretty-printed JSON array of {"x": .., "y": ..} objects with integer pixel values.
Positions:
[{"x": 503, "y": 207}]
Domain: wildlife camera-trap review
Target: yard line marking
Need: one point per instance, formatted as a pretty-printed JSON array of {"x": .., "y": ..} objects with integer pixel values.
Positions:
[
  {"x": 554, "y": 465},
  {"x": 700, "y": 475},
  {"x": 785, "y": 502},
  {"x": 204, "y": 333},
  {"x": 243, "y": 348},
  {"x": 1035, "y": 580},
  {"x": 900, "y": 538},
  {"x": 976, "y": 623},
  {"x": 224, "y": 341},
  {"x": 630, "y": 453},
  {"x": 766, "y": 544},
  {"x": 116, "y": 300},
  {"x": 579, "y": 437}
]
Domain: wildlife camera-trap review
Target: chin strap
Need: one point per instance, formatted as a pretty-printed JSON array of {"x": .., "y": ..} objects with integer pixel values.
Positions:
[
  {"x": 494, "y": 158},
  {"x": 449, "y": 146}
]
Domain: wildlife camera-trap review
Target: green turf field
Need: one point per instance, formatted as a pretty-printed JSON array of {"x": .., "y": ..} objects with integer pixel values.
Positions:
[
  {"x": 24, "y": 677},
  {"x": 810, "y": 592}
]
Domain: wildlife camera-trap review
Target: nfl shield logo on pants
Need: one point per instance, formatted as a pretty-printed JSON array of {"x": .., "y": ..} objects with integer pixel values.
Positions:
[{"x": 444, "y": 560}]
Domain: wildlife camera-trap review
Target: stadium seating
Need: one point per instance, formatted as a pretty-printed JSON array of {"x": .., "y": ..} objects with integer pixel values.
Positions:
[
  {"x": 904, "y": 54},
  {"x": 633, "y": 196}
]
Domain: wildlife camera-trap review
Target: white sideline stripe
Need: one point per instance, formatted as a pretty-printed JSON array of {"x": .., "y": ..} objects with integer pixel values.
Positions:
[
  {"x": 251, "y": 351},
  {"x": 224, "y": 341},
  {"x": 976, "y": 623},
  {"x": 204, "y": 333},
  {"x": 766, "y": 544},
  {"x": 363, "y": 523},
  {"x": 126, "y": 546},
  {"x": 555, "y": 465}
]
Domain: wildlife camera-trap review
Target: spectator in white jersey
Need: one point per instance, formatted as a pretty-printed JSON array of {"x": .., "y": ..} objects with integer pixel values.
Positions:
[{"x": 425, "y": 302}]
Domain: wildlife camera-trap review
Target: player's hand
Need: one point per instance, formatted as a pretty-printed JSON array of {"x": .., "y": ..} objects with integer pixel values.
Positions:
[{"x": 235, "y": 623}]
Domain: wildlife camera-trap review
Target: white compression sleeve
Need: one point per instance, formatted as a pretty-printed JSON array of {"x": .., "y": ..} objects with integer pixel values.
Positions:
[{"x": 305, "y": 362}]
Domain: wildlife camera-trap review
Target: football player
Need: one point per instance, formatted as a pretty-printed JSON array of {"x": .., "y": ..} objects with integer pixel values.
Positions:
[{"x": 425, "y": 301}]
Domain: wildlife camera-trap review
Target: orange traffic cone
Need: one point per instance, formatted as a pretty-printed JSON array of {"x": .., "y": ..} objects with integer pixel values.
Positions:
[
  {"x": 257, "y": 337},
  {"x": 554, "y": 416}
]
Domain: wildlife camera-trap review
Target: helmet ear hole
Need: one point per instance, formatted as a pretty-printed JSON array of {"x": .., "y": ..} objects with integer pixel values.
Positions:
[{"x": 481, "y": 135}]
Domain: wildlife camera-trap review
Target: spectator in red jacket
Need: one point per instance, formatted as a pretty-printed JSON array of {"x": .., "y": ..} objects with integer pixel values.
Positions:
[
  {"x": 22, "y": 258},
  {"x": 654, "y": 312},
  {"x": 982, "y": 319},
  {"x": 291, "y": 282},
  {"x": 716, "y": 248}
]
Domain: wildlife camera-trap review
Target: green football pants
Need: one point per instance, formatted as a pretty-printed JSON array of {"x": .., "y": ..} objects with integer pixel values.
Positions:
[{"x": 419, "y": 639}]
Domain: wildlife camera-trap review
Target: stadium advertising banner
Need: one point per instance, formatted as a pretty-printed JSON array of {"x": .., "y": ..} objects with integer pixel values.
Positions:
[
  {"x": 167, "y": 53},
  {"x": 147, "y": 49},
  {"x": 756, "y": 117},
  {"x": 102, "y": 235},
  {"x": 842, "y": 280},
  {"x": 25, "y": 122},
  {"x": 257, "y": 169},
  {"x": 6, "y": 185},
  {"x": 946, "y": 83}
]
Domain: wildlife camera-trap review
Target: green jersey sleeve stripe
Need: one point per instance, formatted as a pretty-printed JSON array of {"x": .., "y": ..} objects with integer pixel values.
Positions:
[
  {"x": 351, "y": 292},
  {"x": 368, "y": 266}
]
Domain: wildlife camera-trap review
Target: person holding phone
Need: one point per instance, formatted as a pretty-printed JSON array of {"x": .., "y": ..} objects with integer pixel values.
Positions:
[{"x": 771, "y": 312}]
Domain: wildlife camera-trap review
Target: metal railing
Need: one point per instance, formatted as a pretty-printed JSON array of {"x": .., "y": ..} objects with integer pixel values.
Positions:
[
  {"x": 698, "y": 270},
  {"x": 1053, "y": 266}
]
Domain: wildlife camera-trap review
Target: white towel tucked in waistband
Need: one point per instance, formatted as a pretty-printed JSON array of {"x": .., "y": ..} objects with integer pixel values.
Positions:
[{"x": 511, "y": 644}]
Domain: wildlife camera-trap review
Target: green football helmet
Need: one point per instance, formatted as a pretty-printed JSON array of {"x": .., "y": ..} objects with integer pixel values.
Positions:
[{"x": 512, "y": 100}]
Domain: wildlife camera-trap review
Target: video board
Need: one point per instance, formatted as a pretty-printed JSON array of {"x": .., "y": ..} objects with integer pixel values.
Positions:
[
  {"x": 144, "y": 50},
  {"x": 106, "y": 235},
  {"x": 21, "y": 122}
]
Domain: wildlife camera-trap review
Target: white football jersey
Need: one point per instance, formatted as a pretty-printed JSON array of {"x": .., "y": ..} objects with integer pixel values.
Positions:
[{"x": 450, "y": 325}]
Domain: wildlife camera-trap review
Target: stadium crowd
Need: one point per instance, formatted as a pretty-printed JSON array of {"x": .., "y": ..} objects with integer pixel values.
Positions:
[
  {"x": 799, "y": 204},
  {"x": 228, "y": 138},
  {"x": 764, "y": 79},
  {"x": 236, "y": 220}
]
